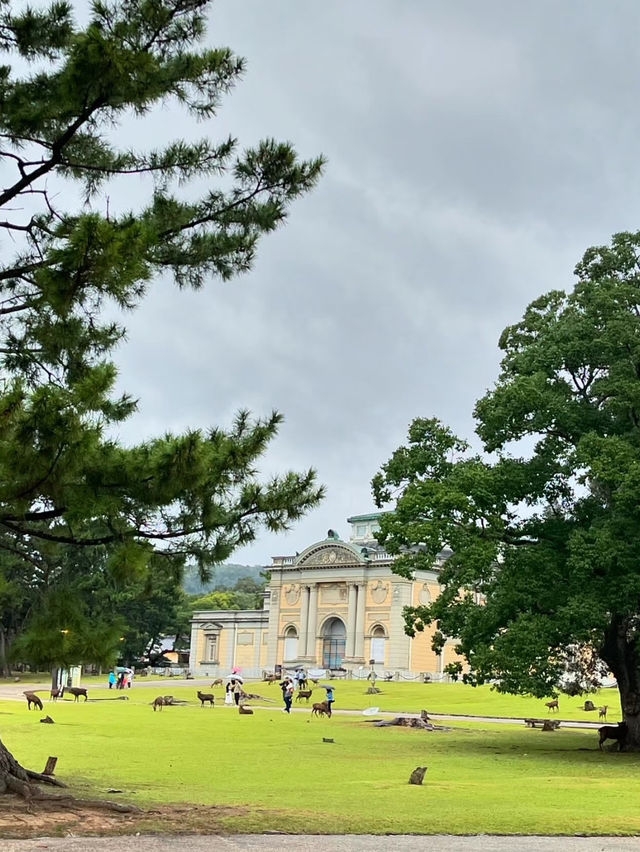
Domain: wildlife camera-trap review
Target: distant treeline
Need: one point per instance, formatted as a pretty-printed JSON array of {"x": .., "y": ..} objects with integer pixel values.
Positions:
[{"x": 224, "y": 577}]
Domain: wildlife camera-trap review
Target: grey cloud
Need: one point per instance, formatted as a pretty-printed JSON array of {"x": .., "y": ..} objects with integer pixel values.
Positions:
[{"x": 475, "y": 150}]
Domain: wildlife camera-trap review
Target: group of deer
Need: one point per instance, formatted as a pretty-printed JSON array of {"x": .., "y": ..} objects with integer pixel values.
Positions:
[{"x": 55, "y": 693}]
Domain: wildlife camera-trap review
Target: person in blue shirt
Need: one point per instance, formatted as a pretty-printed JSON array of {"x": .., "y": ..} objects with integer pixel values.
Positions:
[
  {"x": 330, "y": 698},
  {"x": 112, "y": 679}
]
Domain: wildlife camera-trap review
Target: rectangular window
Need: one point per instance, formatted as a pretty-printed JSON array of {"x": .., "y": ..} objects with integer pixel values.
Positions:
[
  {"x": 211, "y": 649},
  {"x": 361, "y": 530}
]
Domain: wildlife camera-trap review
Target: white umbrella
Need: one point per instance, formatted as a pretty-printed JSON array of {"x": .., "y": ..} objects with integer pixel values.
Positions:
[
  {"x": 370, "y": 711},
  {"x": 235, "y": 677}
]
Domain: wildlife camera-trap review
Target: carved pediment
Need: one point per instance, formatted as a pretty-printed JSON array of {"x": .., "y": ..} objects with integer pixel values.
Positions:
[{"x": 327, "y": 555}]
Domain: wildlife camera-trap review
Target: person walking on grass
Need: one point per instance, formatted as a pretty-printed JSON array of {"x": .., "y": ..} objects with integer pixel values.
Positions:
[
  {"x": 112, "y": 679},
  {"x": 330, "y": 699},
  {"x": 287, "y": 688},
  {"x": 237, "y": 691}
]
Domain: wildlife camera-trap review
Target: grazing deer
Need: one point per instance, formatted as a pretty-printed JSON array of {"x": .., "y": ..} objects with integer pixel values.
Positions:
[
  {"x": 304, "y": 693},
  {"x": 77, "y": 691},
  {"x": 602, "y": 712},
  {"x": 204, "y": 697},
  {"x": 158, "y": 704},
  {"x": 32, "y": 698},
  {"x": 552, "y": 705},
  {"x": 243, "y": 710},
  {"x": 217, "y": 682}
]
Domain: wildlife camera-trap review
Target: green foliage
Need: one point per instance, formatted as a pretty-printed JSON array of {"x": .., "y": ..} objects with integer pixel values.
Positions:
[
  {"x": 544, "y": 571},
  {"x": 64, "y": 480}
]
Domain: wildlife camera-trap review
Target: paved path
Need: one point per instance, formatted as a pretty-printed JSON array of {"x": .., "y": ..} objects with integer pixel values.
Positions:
[{"x": 336, "y": 843}]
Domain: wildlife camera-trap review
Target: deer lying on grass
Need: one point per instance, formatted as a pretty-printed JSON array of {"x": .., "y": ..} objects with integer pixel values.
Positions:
[
  {"x": 243, "y": 710},
  {"x": 204, "y": 697},
  {"x": 552, "y": 705},
  {"x": 32, "y": 698}
]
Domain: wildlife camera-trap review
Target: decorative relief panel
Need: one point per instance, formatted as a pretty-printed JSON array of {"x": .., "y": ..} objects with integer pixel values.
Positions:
[
  {"x": 333, "y": 593},
  {"x": 379, "y": 592},
  {"x": 292, "y": 594},
  {"x": 245, "y": 638},
  {"x": 425, "y": 594},
  {"x": 330, "y": 556}
]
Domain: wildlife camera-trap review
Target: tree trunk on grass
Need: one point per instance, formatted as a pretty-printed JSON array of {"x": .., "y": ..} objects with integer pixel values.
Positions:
[
  {"x": 14, "y": 778},
  {"x": 621, "y": 655}
]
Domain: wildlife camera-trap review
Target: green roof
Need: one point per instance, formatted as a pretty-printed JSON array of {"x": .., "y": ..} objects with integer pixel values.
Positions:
[{"x": 355, "y": 519}]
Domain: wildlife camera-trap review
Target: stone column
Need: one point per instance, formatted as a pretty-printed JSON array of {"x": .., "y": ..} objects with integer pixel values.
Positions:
[
  {"x": 195, "y": 653},
  {"x": 399, "y": 642},
  {"x": 351, "y": 622},
  {"x": 304, "y": 618},
  {"x": 274, "y": 623},
  {"x": 312, "y": 624},
  {"x": 359, "y": 635}
]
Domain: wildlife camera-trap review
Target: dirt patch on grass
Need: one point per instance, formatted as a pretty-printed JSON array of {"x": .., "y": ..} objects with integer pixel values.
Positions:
[{"x": 21, "y": 820}]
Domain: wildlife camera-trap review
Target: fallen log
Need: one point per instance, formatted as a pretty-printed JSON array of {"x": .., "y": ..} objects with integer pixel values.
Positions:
[{"x": 409, "y": 722}]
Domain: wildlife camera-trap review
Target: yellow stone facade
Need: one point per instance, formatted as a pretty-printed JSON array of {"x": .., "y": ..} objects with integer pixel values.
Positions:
[{"x": 336, "y": 606}]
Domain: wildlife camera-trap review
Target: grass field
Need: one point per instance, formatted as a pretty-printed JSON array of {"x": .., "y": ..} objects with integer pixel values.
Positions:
[{"x": 278, "y": 773}]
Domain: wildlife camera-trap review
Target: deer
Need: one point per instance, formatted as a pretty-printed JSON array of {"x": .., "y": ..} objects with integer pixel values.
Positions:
[
  {"x": 552, "y": 705},
  {"x": 614, "y": 732},
  {"x": 77, "y": 691},
  {"x": 243, "y": 710},
  {"x": 32, "y": 698},
  {"x": 158, "y": 704},
  {"x": 304, "y": 693},
  {"x": 602, "y": 712},
  {"x": 56, "y": 692},
  {"x": 321, "y": 708},
  {"x": 204, "y": 697},
  {"x": 217, "y": 682}
]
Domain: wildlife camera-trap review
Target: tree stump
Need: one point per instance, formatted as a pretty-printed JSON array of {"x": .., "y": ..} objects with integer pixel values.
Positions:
[
  {"x": 417, "y": 776},
  {"x": 50, "y": 768}
]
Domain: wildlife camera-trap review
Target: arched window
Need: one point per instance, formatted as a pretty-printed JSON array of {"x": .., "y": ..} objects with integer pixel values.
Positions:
[
  {"x": 378, "y": 644},
  {"x": 334, "y": 638},
  {"x": 291, "y": 643}
]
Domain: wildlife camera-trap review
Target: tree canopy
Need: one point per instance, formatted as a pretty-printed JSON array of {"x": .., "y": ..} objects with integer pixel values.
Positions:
[
  {"x": 74, "y": 256},
  {"x": 64, "y": 479},
  {"x": 542, "y": 587}
]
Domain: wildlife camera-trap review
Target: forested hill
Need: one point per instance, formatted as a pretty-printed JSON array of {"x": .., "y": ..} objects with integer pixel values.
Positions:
[{"x": 224, "y": 577}]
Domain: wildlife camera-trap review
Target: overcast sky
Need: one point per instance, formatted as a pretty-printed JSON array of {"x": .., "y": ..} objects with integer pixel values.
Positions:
[{"x": 475, "y": 149}]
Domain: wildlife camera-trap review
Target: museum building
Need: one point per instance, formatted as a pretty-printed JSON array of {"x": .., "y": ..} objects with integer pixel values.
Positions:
[{"x": 335, "y": 606}]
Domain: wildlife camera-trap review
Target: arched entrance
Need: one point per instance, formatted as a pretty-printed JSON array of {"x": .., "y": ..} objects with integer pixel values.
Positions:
[
  {"x": 334, "y": 639},
  {"x": 378, "y": 644}
]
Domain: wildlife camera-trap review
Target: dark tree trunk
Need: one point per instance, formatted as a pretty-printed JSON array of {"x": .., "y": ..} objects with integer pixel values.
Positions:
[
  {"x": 16, "y": 779},
  {"x": 24, "y": 782},
  {"x": 621, "y": 655},
  {"x": 4, "y": 665}
]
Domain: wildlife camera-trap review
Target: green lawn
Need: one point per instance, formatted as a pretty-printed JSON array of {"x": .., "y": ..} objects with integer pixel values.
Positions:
[{"x": 279, "y": 772}]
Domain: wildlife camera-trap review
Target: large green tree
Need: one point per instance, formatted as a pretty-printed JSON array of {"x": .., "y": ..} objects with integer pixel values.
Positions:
[
  {"x": 71, "y": 250},
  {"x": 543, "y": 585}
]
